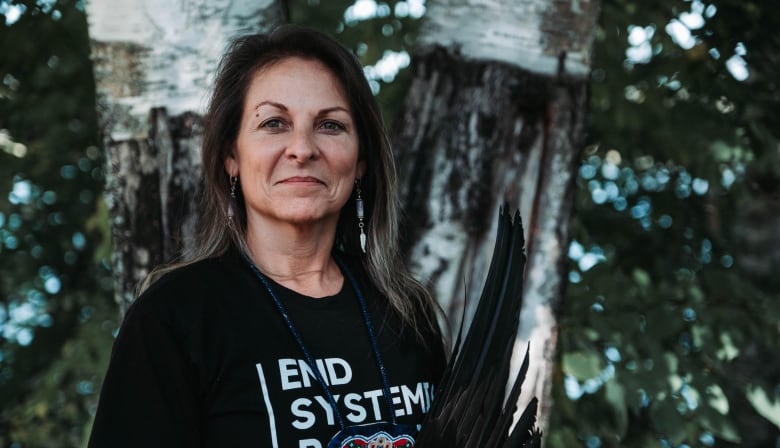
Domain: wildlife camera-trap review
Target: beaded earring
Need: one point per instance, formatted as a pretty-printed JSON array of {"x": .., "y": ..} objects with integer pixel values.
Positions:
[
  {"x": 231, "y": 208},
  {"x": 360, "y": 214}
]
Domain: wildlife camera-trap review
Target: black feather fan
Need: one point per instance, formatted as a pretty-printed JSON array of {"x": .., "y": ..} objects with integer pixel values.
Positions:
[{"x": 472, "y": 408}]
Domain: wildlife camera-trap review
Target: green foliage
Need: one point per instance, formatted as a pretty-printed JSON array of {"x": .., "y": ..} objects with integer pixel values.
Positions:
[
  {"x": 674, "y": 318},
  {"x": 62, "y": 398},
  {"x": 54, "y": 296}
]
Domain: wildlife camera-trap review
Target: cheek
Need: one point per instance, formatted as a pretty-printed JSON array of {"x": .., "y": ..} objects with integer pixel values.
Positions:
[
  {"x": 351, "y": 156},
  {"x": 349, "y": 169},
  {"x": 256, "y": 160}
]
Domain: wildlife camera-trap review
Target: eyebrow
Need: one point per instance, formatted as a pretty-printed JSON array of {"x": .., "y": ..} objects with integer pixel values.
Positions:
[
  {"x": 283, "y": 107},
  {"x": 270, "y": 103}
]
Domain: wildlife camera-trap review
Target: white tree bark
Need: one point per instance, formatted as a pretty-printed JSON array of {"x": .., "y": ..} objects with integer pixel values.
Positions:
[
  {"x": 496, "y": 111},
  {"x": 154, "y": 61},
  {"x": 540, "y": 36},
  {"x": 163, "y": 53}
]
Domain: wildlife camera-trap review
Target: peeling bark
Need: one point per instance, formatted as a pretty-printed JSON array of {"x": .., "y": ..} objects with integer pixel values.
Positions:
[
  {"x": 496, "y": 113},
  {"x": 153, "y": 64},
  {"x": 540, "y": 36}
]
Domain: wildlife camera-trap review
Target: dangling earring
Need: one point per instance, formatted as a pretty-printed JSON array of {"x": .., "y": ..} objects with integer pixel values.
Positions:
[
  {"x": 230, "y": 208},
  {"x": 360, "y": 214}
]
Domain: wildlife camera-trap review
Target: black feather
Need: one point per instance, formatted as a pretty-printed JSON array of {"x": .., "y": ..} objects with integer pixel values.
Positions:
[{"x": 472, "y": 407}]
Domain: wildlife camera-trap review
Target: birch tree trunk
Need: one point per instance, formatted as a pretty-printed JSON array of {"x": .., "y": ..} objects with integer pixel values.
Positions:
[
  {"x": 154, "y": 63},
  {"x": 496, "y": 112}
]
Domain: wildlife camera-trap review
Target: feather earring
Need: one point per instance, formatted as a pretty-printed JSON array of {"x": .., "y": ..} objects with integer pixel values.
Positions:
[{"x": 361, "y": 214}]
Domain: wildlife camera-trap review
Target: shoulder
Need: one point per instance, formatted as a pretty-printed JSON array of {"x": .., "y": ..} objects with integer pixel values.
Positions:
[
  {"x": 188, "y": 287},
  {"x": 187, "y": 303},
  {"x": 197, "y": 273}
]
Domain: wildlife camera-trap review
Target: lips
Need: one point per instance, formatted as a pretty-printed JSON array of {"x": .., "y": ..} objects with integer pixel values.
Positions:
[{"x": 301, "y": 180}]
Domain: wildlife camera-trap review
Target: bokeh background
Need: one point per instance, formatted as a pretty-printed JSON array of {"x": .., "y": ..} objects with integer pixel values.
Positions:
[{"x": 670, "y": 330}]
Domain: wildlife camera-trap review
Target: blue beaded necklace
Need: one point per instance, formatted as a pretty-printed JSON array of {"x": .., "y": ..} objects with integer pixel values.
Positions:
[{"x": 347, "y": 434}]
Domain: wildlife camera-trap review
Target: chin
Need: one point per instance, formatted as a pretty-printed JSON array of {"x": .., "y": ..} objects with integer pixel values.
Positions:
[
  {"x": 298, "y": 211},
  {"x": 307, "y": 215}
]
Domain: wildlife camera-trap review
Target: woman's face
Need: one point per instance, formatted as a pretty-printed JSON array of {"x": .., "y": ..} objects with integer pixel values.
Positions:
[{"x": 296, "y": 154}]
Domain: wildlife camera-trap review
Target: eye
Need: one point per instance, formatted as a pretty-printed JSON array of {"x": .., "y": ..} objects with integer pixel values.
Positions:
[
  {"x": 333, "y": 126},
  {"x": 273, "y": 123}
]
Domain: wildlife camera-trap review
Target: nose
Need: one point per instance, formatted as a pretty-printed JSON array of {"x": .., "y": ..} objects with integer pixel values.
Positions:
[{"x": 302, "y": 146}]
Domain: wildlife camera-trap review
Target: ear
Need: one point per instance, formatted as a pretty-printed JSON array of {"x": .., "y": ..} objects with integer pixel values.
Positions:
[
  {"x": 231, "y": 164},
  {"x": 361, "y": 169}
]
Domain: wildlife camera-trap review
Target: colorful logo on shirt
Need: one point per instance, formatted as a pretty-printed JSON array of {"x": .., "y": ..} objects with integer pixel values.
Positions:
[
  {"x": 379, "y": 440},
  {"x": 374, "y": 435}
]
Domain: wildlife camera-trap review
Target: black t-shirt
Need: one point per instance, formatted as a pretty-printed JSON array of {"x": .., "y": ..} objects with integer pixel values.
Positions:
[{"x": 204, "y": 359}]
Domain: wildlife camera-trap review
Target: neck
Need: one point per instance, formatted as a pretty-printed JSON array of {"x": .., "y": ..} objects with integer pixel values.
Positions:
[{"x": 297, "y": 257}]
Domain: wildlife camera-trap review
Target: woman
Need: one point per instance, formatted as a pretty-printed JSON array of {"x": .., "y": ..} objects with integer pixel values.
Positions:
[{"x": 296, "y": 320}]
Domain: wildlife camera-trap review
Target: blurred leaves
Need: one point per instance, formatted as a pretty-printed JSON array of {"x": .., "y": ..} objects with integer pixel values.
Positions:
[
  {"x": 582, "y": 365},
  {"x": 56, "y": 313},
  {"x": 677, "y": 186},
  {"x": 768, "y": 407}
]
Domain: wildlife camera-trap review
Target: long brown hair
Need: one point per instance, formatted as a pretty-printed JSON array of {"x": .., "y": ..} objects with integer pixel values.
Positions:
[{"x": 244, "y": 58}]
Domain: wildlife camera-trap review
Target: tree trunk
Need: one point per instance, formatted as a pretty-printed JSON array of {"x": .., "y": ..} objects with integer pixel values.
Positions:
[
  {"x": 496, "y": 113},
  {"x": 154, "y": 62}
]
